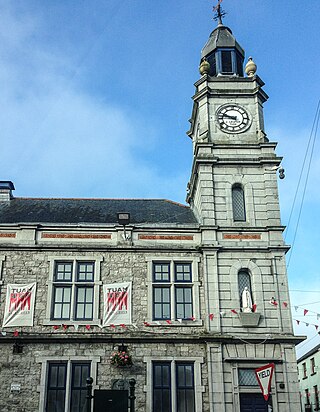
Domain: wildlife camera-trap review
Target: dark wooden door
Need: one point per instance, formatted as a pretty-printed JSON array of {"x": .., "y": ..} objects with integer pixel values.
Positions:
[
  {"x": 110, "y": 401},
  {"x": 253, "y": 402}
]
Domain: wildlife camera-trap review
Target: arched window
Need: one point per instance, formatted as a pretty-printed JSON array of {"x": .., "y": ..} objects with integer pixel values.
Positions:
[
  {"x": 238, "y": 204},
  {"x": 244, "y": 280}
]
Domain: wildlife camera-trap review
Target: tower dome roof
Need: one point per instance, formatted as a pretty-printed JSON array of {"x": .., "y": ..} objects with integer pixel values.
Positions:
[{"x": 221, "y": 37}]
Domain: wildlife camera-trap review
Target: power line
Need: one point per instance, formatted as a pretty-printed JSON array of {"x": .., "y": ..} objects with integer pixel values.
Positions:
[{"x": 314, "y": 131}]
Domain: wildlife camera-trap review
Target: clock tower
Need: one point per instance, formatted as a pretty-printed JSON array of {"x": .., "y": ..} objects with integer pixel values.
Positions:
[{"x": 233, "y": 192}]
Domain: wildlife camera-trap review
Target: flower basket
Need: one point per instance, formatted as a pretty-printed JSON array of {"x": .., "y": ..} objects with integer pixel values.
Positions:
[{"x": 121, "y": 359}]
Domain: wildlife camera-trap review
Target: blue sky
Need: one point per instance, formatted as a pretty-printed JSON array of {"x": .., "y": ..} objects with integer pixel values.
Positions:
[{"x": 96, "y": 97}]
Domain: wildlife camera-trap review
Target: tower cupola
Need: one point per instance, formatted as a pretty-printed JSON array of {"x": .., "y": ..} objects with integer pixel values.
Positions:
[{"x": 223, "y": 53}]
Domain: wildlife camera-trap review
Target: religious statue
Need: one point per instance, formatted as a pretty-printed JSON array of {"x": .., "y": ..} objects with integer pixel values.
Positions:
[{"x": 246, "y": 300}]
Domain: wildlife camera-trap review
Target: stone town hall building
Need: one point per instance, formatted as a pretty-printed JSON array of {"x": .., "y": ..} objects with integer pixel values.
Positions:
[{"x": 194, "y": 340}]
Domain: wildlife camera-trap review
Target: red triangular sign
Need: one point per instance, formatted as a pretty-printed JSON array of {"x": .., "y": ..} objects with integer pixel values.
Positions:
[{"x": 264, "y": 376}]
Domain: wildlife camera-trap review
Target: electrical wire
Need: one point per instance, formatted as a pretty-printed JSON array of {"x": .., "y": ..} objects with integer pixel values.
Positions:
[
  {"x": 301, "y": 173},
  {"x": 314, "y": 133}
]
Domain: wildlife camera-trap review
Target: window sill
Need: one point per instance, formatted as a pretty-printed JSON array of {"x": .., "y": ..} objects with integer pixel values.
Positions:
[
  {"x": 183, "y": 323},
  {"x": 94, "y": 322}
]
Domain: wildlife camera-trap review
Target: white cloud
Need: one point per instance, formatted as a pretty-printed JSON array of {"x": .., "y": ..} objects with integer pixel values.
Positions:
[{"x": 59, "y": 141}]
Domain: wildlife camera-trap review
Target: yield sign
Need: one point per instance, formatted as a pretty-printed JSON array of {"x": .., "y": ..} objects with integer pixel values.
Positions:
[{"x": 264, "y": 376}]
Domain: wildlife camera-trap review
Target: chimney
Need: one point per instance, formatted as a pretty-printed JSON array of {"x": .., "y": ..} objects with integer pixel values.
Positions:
[{"x": 6, "y": 188}]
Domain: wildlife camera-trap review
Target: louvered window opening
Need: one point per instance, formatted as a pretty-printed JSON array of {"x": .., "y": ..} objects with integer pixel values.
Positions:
[{"x": 238, "y": 205}]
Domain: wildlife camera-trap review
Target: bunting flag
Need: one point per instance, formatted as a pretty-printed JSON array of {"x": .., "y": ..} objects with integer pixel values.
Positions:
[
  {"x": 234, "y": 311},
  {"x": 65, "y": 327},
  {"x": 16, "y": 333},
  {"x": 193, "y": 318},
  {"x": 123, "y": 325},
  {"x": 179, "y": 320},
  {"x": 112, "y": 325},
  {"x": 222, "y": 313},
  {"x": 285, "y": 304},
  {"x": 146, "y": 324},
  {"x": 254, "y": 307},
  {"x": 168, "y": 322},
  {"x": 211, "y": 316},
  {"x": 298, "y": 321},
  {"x": 88, "y": 327},
  {"x": 296, "y": 308},
  {"x": 273, "y": 302},
  {"x": 76, "y": 327},
  {"x": 305, "y": 311},
  {"x": 56, "y": 327}
]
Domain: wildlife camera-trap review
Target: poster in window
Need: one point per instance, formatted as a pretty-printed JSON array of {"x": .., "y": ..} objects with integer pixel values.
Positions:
[
  {"x": 117, "y": 304},
  {"x": 19, "y": 306}
]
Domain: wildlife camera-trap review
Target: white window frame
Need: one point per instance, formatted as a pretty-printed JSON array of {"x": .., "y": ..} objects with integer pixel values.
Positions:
[
  {"x": 198, "y": 388},
  {"x": 96, "y": 289},
  {"x": 194, "y": 285},
  {"x": 42, "y": 388}
]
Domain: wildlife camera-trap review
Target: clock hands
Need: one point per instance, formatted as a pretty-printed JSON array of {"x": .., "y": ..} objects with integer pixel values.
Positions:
[{"x": 230, "y": 117}]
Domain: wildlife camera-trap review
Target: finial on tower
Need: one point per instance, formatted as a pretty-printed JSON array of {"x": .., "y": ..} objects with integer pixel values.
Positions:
[{"x": 219, "y": 13}]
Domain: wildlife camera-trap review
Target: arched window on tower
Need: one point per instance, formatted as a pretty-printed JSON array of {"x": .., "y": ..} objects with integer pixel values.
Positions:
[
  {"x": 238, "y": 204},
  {"x": 244, "y": 281}
]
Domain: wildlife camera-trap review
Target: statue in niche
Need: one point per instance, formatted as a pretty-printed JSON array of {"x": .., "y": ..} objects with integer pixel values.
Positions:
[{"x": 246, "y": 300}]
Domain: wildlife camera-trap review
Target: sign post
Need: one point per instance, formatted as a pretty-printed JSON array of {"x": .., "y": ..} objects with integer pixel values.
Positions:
[{"x": 264, "y": 376}]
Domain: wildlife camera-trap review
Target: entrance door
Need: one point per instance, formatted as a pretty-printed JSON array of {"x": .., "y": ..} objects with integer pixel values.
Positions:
[
  {"x": 253, "y": 402},
  {"x": 110, "y": 401}
]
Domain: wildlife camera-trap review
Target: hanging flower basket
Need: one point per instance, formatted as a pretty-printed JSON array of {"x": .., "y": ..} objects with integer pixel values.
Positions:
[{"x": 121, "y": 359}]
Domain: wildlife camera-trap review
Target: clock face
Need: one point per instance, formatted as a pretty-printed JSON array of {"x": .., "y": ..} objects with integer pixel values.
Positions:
[{"x": 233, "y": 118}]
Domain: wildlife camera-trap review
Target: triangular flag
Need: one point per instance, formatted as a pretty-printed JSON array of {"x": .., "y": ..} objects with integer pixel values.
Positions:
[
  {"x": 234, "y": 311},
  {"x": 146, "y": 324},
  {"x": 76, "y": 326},
  {"x": 296, "y": 308},
  {"x": 222, "y": 313},
  {"x": 168, "y": 321},
  {"x": 3, "y": 333},
  {"x": 123, "y": 325},
  {"x": 16, "y": 333},
  {"x": 273, "y": 301},
  {"x": 318, "y": 316},
  {"x": 264, "y": 376},
  {"x": 316, "y": 326},
  {"x": 211, "y": 316},
  {"x": 88, "y": 327},
  {"x": 307, "y": 324},
  {"x": 158, "y": 323},
  {"x": 55, "y": 327},
  {"x": 179, "y": 320},
  {"x": 298, "y": 321},
  {"x": 112, "y": 325},
  {"x": 254, "y": 307},
  {"x": 305, "y": 311},
  {"x": 285, "y": 304},
  {"x": 65, "y": 327},
  {"x": 192, "y": 318}
]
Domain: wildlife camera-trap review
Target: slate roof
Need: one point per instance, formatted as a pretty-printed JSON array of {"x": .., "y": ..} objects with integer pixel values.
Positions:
[
  {"x": 221, "y": 37},
  {"x": 100, "y": 211}
]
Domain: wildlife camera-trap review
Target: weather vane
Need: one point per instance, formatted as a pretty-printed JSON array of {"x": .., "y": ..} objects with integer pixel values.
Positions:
[{"x": 219, "y": 12}]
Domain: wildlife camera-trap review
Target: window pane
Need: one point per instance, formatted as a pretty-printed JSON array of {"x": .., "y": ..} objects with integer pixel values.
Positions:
[
  {"x": 85, "y": 271},
  {"x": 80, "y": 372},
  {"x": 161, "y": 272},
  {"x": 63, "y": 271},
  {"x": 238, "y": 205},
  {"x": 161, "y": 387},
  {"x": 226, "y": 61},
  {"x": 161, "y": 303},
  {"x": 185, "y": 387},
  {"x": 184, "y": 307},
  {"x": 61, "y": 302},
  {"x": 56, "y": 388},
  {"x": 84, "y": 303},
  {"x": 183, "y": 272},
  {"x": 247, "y": 377}
]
